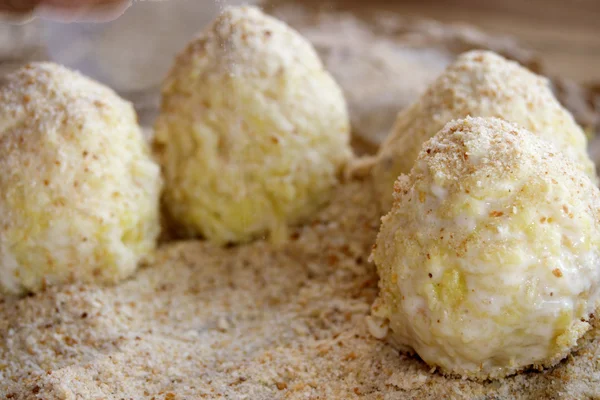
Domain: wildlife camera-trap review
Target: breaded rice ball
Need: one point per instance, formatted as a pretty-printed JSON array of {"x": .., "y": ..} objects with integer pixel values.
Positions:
[
  {"x": 490, "y": 257},
  {"x": 252, "y": 133},
  {"x": 479, "y": 84},
  {"x": 79, "y": 192}
]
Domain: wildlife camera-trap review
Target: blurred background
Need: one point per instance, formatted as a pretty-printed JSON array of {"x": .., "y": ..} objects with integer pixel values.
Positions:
[
  {"x": 565, "y": 33},
  {"x": 406, "y": 42}
]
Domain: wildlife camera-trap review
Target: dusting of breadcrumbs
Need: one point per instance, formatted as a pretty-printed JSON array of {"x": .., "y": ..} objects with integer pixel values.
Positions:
[{"x": 248, "y": 322}]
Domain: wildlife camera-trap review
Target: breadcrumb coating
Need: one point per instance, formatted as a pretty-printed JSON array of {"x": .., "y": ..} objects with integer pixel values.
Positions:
[
  {"x": 490, "y": 257},
  {"x": 78, "y": 190},
  {"x": 479, "y": 84},
  {"x": 253, "y": 132}
]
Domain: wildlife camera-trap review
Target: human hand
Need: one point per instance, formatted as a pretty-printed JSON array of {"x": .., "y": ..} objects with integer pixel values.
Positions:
[{"x": 66, "y": 10}]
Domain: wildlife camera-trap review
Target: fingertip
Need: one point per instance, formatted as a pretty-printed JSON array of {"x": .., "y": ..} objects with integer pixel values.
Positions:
[{"x": 86, "y": 11}]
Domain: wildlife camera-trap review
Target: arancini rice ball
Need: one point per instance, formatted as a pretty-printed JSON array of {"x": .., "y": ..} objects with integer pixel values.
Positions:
[
  {"x": 79, "y": 192},
  {"x": 478, "y": 84},
  {"x": 253, "y": 131},
  {"x": 490, "y": 256}
]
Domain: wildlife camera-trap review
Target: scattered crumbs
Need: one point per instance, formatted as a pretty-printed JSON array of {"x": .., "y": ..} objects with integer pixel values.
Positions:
[
  {"x": 286, "y": 317},
  {"x": 557, "y": 273}
]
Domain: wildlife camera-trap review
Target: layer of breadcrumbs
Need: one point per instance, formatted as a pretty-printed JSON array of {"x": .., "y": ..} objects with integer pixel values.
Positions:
[{"x": 250, "y": 322}]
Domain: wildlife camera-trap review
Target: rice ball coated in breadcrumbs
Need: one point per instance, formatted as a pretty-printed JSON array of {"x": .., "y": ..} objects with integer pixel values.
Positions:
[
  {"x": 479, "y": 84},
  {"x": 79, "y": 192},
  {"x": 490, "y": 256},
  {"x": 253, "y": 131}
]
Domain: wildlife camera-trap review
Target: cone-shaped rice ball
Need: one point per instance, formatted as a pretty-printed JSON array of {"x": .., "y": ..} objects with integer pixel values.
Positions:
[
  {"x": 79, "y": 192},
  {"x": 252, "y": 133},
  {"x": 479, "y": 84},
  {"x": 490, "y": 256}
]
